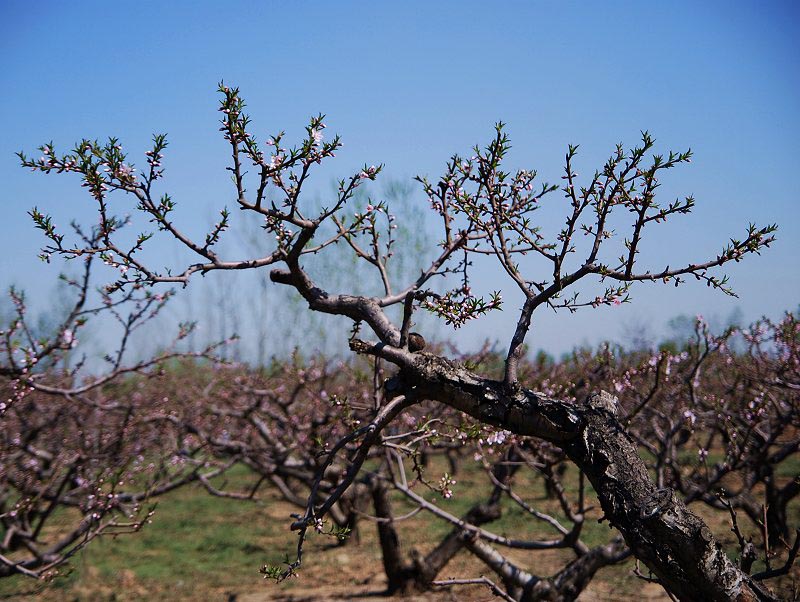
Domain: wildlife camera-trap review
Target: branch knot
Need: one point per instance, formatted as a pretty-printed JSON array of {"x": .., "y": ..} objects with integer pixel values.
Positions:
[{"x": 603, "y": 400}]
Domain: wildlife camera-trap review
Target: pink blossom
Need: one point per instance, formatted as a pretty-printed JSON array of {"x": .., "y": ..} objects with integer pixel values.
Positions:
[
  {"x": 368, "y": 173},
  {"x": 497, "y": 437},
  {"x": 276, "y": 161},
  {"x": 68, "y": 338}
]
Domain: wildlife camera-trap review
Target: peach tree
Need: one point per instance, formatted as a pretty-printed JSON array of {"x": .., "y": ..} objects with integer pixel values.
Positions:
[{"x": 484, "y": 212}]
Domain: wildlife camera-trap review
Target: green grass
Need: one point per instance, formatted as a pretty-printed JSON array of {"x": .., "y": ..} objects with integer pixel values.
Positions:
[{"x": 194, "y": 540}]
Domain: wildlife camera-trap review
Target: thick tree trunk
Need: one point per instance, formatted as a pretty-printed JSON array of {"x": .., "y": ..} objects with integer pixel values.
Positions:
[
  {"x": 778, "y": 499},
  {"x": 660, "y": 530},
  {"x": 673, "y": 542},
  {"x": 398, "y": 575}
]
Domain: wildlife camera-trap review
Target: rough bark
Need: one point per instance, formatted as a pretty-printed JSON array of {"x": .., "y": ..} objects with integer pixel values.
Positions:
[{"x": 674, "y": 543}]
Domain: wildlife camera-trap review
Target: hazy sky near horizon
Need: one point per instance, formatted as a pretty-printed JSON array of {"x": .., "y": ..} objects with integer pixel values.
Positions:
[{"x": 409, "y": 84}]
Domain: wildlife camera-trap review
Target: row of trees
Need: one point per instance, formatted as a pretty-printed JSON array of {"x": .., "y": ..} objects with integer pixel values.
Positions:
[
  {"x": 718, "y": 413},
  {"x": 717, "y": 416}
]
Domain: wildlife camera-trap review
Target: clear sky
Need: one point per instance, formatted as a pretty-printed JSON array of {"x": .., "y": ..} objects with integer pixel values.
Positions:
[{"x": 408, "y": 84}]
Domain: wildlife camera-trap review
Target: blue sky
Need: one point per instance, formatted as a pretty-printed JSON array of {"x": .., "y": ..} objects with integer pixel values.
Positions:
[{"x": 408, "y": 84}]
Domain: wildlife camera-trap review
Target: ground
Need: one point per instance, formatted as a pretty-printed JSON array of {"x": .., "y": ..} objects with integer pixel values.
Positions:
[{"x": 201, "y": 547}]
